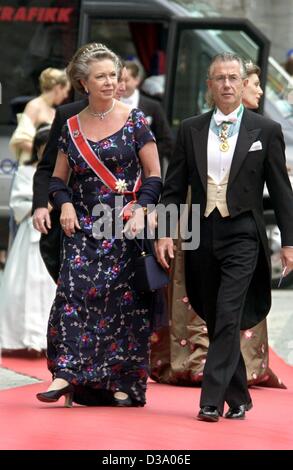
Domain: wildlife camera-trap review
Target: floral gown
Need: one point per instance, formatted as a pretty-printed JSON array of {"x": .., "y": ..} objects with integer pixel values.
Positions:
[{"x": 98, "y": 332}]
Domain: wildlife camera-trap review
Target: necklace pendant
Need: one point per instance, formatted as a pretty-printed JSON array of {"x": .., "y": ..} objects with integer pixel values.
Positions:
[
  {"x": 224, "y": 146},
  {"x": 102, "y": 114}
]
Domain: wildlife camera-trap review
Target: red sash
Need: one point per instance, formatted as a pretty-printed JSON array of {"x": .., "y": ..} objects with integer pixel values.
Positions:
[{"x": 84, "y": 149}]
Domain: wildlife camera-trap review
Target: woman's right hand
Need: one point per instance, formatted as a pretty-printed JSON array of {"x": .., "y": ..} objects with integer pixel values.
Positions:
[{"x": 68, "y": 219}]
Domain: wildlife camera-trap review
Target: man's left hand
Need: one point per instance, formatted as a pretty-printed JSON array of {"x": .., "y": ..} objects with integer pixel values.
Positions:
[{"x": 287, "y": 258}]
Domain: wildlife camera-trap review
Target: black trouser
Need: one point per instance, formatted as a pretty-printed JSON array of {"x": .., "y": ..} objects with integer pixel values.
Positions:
[{"x": 224, "y": 263}]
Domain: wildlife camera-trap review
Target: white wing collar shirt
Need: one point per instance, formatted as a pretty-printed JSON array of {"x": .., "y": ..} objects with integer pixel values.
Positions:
[{"x": 219, "y": 162}]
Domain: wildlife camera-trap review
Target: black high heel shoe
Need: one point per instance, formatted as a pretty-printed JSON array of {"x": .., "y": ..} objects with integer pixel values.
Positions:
[{"x": 54, "y": 395}]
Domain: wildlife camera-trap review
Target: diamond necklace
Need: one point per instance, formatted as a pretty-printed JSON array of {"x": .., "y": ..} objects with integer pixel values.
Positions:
[{"x": 101, "y": 115}]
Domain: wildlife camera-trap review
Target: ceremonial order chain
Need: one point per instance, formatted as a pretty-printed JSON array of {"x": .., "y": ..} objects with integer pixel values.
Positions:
[{"x": 223, "y": 136}]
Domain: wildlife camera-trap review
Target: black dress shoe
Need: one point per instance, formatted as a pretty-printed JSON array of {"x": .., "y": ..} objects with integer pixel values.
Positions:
[
  {"x": 238, "y": 412},
  {"x": 209, "y": 413}
]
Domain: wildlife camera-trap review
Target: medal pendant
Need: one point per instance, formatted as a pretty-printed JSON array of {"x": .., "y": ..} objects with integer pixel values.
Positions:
[{"x": 224, "y": 146}]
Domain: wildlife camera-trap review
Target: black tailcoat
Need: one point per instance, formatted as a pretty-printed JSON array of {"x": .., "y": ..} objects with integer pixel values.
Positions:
[{"x": 250, "y": 170}]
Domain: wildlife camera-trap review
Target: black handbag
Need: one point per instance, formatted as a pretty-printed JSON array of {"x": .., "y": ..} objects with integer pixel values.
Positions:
[{"x": 149, "y": 275}]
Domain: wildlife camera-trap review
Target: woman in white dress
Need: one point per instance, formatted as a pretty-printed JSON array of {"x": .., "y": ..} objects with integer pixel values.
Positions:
[
  {"x": 54, "y": 86},
  {"x": 27, "y": 291}
]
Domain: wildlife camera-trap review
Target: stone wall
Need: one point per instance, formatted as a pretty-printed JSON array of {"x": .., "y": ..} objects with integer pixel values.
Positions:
[{"x": 273, "y": 17}]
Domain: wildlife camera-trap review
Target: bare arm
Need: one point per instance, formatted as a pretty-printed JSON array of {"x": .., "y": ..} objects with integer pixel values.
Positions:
[
  {"x": 149, "y": 158},
  {"x": 32, "y": 111},
  {"x": 22, "y": 138},
  {"x": 24, "y": 145}
]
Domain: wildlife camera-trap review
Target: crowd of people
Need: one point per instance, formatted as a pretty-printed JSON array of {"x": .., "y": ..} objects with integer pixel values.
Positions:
[{"x": 107, "y": 151}]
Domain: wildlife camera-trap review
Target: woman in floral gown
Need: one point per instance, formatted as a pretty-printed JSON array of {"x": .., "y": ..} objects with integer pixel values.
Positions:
[{"x": 99, "y": 326}]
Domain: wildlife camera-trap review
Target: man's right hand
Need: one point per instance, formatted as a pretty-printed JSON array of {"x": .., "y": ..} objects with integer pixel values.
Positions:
[
  {"x": 42, "y": 220},
  {"x": 164, "y": 248}
]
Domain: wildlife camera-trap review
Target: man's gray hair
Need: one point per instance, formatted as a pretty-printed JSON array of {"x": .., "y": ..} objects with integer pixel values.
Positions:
[{"x": 228, "y": 57}]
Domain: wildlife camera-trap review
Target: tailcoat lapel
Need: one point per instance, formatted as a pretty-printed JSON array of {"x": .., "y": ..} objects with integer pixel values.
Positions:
[
  {"x": 199, "y": 133},
  {"x": 247, "y": 135}
]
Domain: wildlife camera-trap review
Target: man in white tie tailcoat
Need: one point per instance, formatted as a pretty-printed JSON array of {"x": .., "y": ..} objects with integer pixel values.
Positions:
[{"x": 226, "y": 156}]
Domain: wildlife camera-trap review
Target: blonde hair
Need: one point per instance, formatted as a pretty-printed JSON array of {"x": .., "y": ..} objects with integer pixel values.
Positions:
[
  {"x": 78, "y": 67},
  {"x": 51, "y": 77}
]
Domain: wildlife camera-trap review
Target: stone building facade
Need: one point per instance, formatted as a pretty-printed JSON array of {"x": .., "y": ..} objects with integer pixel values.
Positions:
[{"x": 273, "y": 17}]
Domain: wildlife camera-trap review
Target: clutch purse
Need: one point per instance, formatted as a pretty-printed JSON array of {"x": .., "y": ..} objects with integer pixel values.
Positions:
[{"x": 149, "y": 275}]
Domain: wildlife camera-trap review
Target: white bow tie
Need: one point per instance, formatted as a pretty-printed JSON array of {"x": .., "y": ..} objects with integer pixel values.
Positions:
[{"x": 220, "y": 118}]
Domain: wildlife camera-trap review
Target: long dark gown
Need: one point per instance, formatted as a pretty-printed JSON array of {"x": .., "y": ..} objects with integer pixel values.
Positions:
[{"x": 99, "y": 327}]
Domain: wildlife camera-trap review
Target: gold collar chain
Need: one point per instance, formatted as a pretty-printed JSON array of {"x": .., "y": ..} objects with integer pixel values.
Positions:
[{"x": 223, "y": 136}]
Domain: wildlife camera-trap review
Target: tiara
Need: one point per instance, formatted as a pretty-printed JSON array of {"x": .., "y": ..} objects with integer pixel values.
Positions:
[{"x": 94, "y": 47}]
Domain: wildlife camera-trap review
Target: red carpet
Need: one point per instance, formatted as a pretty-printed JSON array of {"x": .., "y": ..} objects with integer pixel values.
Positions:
[{"x": 167, "y": 422}]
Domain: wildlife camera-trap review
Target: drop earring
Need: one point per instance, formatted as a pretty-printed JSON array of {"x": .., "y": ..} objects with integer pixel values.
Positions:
[{"x": 86, "y": 91}]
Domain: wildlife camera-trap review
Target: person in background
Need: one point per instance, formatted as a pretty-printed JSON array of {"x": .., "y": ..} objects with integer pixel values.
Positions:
[
  {"x": 252, "y": 92},
  {"x": 152, "y": 110},
  {"x": 121, "y": 86},
  {"x": 99, "y": 326},
  {"x": 227, "y": 155},
  {"x": 54, "y": 88},
  {"x": 178, "y": 351},
  {"x": 288, "y": 66},
  {"x": 154, "y": 86},
  {"x": 27, "y": 291}
]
